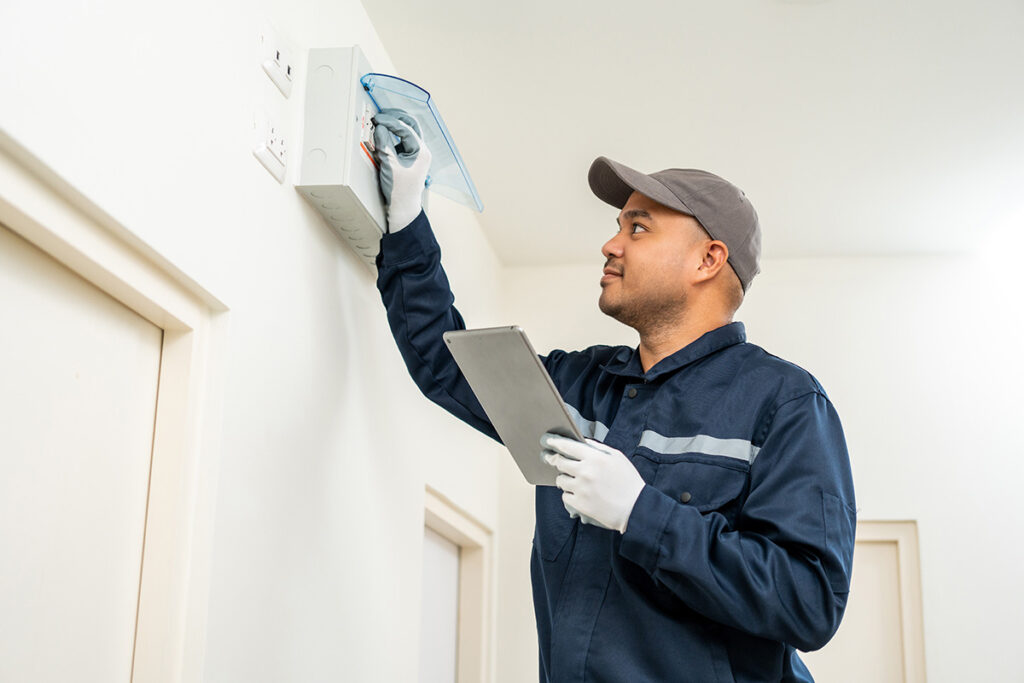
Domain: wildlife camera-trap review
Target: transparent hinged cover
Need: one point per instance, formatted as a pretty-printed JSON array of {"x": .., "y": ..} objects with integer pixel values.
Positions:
[{"x": 448, "y": 175}]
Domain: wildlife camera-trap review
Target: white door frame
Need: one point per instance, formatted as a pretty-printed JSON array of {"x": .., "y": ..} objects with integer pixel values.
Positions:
[
  {"x": 904, "y": 535},
  {"x": 475, "y": 655},
  {"x": 41, "y": 207}
]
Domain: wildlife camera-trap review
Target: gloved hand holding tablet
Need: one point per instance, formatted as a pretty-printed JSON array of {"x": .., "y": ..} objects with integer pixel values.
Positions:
[{"x": 516, "y": 392}]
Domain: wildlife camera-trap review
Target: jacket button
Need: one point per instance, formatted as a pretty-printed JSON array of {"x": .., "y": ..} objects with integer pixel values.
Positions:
[
  {"x": 685, "y": 496},
  {"x": 631, "y": 393}
]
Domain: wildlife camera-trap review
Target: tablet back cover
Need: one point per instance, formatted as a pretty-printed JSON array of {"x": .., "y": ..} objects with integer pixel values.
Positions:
[{"x": 515, "y": 391}]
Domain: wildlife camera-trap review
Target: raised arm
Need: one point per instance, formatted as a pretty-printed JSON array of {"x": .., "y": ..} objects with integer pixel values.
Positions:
[{"x": 412, "y": 283}]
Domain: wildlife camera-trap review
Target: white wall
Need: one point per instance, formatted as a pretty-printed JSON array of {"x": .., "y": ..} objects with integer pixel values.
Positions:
[
  {"x": 147, "y": 109},
  {"x": 921, "y": 356}
]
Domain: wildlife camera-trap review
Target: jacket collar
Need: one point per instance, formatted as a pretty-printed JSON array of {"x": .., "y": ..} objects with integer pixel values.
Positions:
[{"x": 627, "y": 363}]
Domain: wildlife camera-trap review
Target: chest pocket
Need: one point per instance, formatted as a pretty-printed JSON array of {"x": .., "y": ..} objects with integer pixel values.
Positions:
[{"x": 701, "y": 482}]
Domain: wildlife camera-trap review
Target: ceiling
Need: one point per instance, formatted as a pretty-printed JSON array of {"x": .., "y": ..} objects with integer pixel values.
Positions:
[{"x": 856, "y": 128}]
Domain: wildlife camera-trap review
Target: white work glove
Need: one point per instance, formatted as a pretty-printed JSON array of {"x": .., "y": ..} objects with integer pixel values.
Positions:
[
  {"x": 403, "y": 170},
  {"x": 598, "y": 482}
]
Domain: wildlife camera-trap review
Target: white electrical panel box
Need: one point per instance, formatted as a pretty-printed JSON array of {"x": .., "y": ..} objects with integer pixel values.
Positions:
[{"x": 338, "y": 174}]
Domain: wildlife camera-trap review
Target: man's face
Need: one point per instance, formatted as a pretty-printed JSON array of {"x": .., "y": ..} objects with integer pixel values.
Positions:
[{"x": 646, "y": 262}]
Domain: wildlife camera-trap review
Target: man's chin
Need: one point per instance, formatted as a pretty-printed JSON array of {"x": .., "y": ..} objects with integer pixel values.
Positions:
[
  {"x": 618, "y": 309},
  {"x": 609, "y": 306}
]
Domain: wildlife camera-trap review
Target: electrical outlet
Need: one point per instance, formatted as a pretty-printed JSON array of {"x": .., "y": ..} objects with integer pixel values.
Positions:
[
  {"x": 277, "y": 59},
  {"x": 272, "y": 152}
]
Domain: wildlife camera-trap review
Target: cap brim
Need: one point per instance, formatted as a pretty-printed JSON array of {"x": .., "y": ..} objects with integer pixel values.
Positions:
[{"x": 613, "y": 182}]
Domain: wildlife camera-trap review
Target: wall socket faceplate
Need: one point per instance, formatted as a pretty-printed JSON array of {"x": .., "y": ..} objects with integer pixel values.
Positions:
[
  {"x": 272, "y": 119},
  {"x": 277, "y": 59},
  {"x": 272, "y": 152}
]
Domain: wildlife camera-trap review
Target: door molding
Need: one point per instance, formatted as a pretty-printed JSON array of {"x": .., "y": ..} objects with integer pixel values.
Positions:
[
  {"x": 475, "y": 655},
  {"x": 44, "y": 209},
  {"x": 904, "y": 535}
]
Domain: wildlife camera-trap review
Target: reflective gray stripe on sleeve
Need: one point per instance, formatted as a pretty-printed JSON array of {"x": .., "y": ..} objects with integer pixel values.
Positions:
[
  {"x": 591, "y": 429},
  {"x": 740, "y": 449}
]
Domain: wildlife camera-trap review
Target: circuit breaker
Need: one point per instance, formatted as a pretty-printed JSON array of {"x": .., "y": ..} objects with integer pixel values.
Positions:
[{"x": 338, "y": 172}]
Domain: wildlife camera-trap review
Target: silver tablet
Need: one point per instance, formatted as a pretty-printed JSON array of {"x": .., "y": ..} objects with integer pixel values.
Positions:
[{"x": 515, "y": 391}]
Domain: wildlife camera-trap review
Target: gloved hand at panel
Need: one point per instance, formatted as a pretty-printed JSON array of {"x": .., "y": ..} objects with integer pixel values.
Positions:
[{"x": 403, "y": 167}]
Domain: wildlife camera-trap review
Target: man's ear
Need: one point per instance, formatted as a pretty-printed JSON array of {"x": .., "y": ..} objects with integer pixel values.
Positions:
[{"x": 716, "y": 256}]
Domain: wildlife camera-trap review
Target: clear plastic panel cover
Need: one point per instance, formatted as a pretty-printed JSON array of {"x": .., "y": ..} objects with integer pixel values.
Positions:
[{"x": 448, "y": 175}]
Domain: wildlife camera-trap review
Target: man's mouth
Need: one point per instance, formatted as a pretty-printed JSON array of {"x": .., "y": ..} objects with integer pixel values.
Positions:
[{"x": 610, "y": 274}]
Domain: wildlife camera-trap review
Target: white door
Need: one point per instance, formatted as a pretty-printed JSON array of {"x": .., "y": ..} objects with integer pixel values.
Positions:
[
  {"x": 439, "y": 628},
  {"x": 78, "y": 386}
]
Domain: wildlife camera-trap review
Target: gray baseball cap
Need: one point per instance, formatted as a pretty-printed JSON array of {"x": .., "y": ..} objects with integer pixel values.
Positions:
[{"x": 719, "y": 206}]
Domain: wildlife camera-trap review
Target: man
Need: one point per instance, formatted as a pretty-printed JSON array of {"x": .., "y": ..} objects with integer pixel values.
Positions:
[{"x": 706, "y": 531}]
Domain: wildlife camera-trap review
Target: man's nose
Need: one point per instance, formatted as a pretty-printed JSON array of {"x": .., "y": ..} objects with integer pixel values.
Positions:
[{"x": 612, "y": 247}]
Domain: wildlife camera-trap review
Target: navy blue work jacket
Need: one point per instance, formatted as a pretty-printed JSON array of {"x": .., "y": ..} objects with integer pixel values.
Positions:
[{"x": 738, "y": 550}]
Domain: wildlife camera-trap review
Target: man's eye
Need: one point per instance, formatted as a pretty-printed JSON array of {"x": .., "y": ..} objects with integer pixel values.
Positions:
[{"x": 637, "y": 228}]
